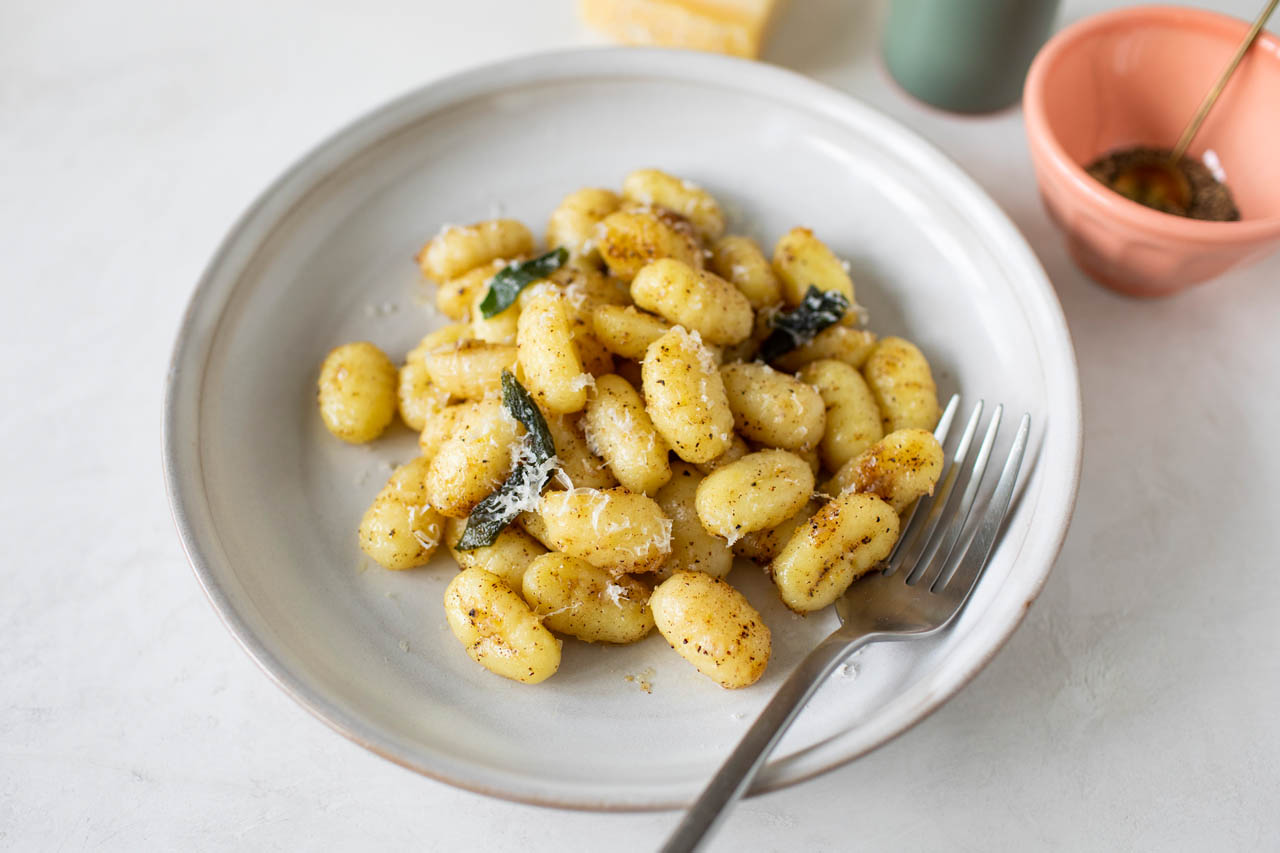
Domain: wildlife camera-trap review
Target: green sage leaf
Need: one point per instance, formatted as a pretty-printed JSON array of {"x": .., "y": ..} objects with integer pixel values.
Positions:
[
  {"x": 797, "y": 327},
  {"x": 506, "y": 285},
  {"x": 521, "y": 489}
]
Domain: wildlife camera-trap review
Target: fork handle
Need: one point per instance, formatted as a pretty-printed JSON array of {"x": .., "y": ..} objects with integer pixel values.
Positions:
[{"x": 735, "y": 775}]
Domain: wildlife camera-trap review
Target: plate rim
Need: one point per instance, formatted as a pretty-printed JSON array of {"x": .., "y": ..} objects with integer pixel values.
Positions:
[{"x": 193, "y": 343}]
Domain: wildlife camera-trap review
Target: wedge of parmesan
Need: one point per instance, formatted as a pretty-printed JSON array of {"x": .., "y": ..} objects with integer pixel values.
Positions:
[{"x": 735, "y": 27}]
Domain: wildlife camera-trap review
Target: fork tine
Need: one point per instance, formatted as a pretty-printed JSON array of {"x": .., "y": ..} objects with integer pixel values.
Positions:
[
  {"x": 916, "y": 516},
  {"x": 939, "y": 549},
  {"x": 937, "y": 504},
  {"x": 948, "y": 415},
  {"x": 972, "y": 558}
]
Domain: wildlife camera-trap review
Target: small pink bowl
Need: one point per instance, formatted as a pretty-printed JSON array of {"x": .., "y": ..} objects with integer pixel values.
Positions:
[{"x": 1134, "y": 77}]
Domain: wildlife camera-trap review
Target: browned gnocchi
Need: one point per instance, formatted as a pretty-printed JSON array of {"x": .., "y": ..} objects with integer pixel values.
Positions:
[
  {"x": 499, "y": 631},
  {"x": 576, "y": 598},
  {"x": 712, "y": 626},
  {"x": 610, "y": 420}
]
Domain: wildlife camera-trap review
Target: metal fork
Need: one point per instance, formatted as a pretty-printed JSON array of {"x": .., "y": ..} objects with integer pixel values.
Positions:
[{"x": 923, "y": 585}]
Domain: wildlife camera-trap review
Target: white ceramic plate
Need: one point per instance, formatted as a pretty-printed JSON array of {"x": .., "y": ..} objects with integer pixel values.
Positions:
[{"x": 267, "y": 502}]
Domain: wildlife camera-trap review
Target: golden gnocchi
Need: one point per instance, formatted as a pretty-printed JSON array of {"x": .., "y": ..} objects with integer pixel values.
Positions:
[
  {"x": 576, "y": 598},
  {"x": 473, "y": 461},
  {"x": 630, "y": 240},
  {"x": 573, "y": 222},
  {"x": 899, "y": 468},
  {"x": 853, "y": 418},
  {"x": 685, "y": 396},
  {"x": 611, "y": 529},
  {"x": 358, "y": 392},
  {"x": 458, "y": 249},
  {"x": 692, "y": 547},
  {"x": 610, "y": 420},
  {"x": 654, "y": 187},
  {"x": 899, "y": 377},
  {"x": 499, "y": 631},
  {"x": 739, "y": 260},
  {"x": 619, "y": 431},
  {"x": 508, "y": 556},
  {"x": 712, "y": 626},
  {"x": 401, "y": 530},
  {"x": 758, "y": 491},
  {"x": 470, "y": 369},
  {"x": 700, "y": 301},
  {"x": 802, "y": 261},
  {"x": 773, "y": 408},
  {"x": 548, "y": 356},
  {"x": 839, "y": 544}
]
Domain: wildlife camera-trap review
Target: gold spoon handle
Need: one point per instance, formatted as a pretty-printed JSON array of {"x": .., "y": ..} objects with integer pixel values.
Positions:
[{"x": 1209, "y": 99}]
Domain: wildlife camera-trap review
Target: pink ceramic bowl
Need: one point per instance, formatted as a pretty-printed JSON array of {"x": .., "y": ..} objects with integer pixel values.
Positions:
[{"x": 1134, "y": 77}]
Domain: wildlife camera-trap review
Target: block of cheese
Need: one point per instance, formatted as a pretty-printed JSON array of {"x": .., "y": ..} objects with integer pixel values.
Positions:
[{"x": 735, "y": 27}]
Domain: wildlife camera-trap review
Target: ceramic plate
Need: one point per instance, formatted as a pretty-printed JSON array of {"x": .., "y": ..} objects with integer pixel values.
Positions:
[{"x": 267, "y": 502}]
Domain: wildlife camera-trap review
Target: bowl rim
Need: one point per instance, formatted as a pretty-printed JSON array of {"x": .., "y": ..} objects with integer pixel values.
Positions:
[
  {"x": 1106, "y": 202},
  {"x": 1053, "y": 502}
]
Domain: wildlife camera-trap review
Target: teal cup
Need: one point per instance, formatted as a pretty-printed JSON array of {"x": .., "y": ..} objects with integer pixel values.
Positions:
[{"x": 966, "y": 56}]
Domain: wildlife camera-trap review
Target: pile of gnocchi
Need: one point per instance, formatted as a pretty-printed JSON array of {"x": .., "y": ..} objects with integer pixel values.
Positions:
[{"x": 610, "y": 419}]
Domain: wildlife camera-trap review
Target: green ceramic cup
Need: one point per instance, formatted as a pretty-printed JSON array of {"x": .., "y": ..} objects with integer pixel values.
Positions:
[{"x": 967, "y": 56}]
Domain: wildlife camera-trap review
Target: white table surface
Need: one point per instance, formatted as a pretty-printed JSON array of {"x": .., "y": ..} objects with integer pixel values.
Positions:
[{"x": 1136, "y": 707}]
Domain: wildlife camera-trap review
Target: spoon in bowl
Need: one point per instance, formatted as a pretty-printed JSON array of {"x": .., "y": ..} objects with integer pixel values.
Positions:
[{"x": 1160, "y": 182}]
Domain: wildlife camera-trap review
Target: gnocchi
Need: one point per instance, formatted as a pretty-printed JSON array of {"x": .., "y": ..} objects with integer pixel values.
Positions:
[
  {"x": 458, "y": 249},
  {"x": 474, "y": 460},
  {"x": 712, "y": 626},
  {"x": 470, "y": 369},
  {"x": 457, "y": 297},
  {"x": 574, "y": 597},
  {"x": 736, "y": 450},
  {"x": 573, "y": 222},
  {"x": 611, "y": 529},
  {"x": 802, "y": 261},
  {"x": 630, "y": 240},
  {"x": 899, "y": 377},
  {"x": 773, "y": 408},
  {"x": 853, "y": 418},
  {"x": 692, "y": 547},
  {"x": 548, "y": 356},
  {"x": 686, "y": 397},
  {"x": 761, "y": 546},
  {"x": 419, "y": 398},
  {"x": 401, "y": 530},
  {"x": 627, "y": 332},
  {"x": 700, "y": 301},
  {"x": 508, "y": 556},
  {"x": 358, "y": 392},
  {"x": 619, "y": 430},
  {"x": 498, "y": 629},
  {"x": 758, "y": 491},
  {"x": 654, "y": 187},
  {"x": 440, "y": 426},
  {"x": 739, "y": 260},
  {"x": 839, "y": 544},
  {"x": 579, "y": 465},
  {"x": 852, "y": 346},
  {"x": 901, "y": 467},
  {"x": 645, "y": 402}
]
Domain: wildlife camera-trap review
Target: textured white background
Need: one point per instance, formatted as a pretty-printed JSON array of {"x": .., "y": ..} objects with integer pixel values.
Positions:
[{"x": 1136, "y": 708}]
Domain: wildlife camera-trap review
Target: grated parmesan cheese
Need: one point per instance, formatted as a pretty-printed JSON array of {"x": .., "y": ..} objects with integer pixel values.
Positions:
[{"x": 616, "y": 593}]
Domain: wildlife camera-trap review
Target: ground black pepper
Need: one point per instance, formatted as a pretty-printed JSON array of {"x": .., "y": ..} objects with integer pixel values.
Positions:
[{"x": 1210, "y": 199}]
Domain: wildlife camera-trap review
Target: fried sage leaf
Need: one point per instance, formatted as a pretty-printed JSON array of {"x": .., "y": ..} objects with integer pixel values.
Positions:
[
  {"x": 513, "y": 278},
  {"x": 534, "y": 467},
  {"x": 797, "y": 327}
]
